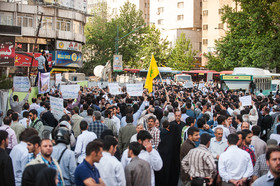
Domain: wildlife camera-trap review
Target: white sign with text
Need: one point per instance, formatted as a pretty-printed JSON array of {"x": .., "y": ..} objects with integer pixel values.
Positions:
[
  {"x": 21, "y": 84},
  {"x": 134, "y": 89},
  {"x": 70, "y": 91},
  {"x": 57, "y": 106}
]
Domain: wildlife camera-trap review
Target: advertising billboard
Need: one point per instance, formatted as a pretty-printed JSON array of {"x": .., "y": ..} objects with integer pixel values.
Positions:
[
  {"x": 7, "y": 51},
  {"x": 68, "y": 59},
  {"x": 23, "y": 59}
]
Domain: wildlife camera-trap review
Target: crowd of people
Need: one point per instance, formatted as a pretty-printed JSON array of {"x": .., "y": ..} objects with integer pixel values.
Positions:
[{"x": 174, "y": 136}]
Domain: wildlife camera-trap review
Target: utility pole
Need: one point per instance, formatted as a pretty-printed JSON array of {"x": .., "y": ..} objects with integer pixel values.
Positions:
[{"x": 36, "y": 39}]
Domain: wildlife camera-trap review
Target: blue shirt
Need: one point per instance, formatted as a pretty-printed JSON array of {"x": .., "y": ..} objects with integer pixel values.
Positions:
[
  {"x": 190, "y": 113},
  {"x": 85, "y": 171},
  {"x": 265, "y": 180},
  {"x": 53, "y": 166}
]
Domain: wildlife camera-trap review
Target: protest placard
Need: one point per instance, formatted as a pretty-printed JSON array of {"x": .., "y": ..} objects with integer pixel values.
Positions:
[
  {"x": 58, "y": 79},
  {"x": 134, "y": 89},
  {"x": 70, "y": 91},
  {"x": 246, "y": 100},
  {"x": 92, "y": 84},
  {"x": 188, "y": 84},
  {"x": 21, "y": 84},
  {"x": 114, "y": 88},
  {"x": 44, "y": 82},
  {"x": 57, "y": 106},
  {"x": 102, "y": 84}
]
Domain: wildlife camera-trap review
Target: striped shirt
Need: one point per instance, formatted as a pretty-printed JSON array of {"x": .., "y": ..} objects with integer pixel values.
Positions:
[{"x": 199, "y": 162}]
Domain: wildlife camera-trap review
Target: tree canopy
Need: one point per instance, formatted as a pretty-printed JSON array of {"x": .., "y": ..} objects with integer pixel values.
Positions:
[
  {"x": 182, "y": 55},
  {"x": 252, "y": 38}
]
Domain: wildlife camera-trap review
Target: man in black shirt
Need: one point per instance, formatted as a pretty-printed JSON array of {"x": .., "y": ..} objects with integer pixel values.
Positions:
[{"x": 6, "y": 166}]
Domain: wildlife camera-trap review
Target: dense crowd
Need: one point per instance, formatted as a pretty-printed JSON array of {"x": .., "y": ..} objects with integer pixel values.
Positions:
[{"x": 172, "y": 136}]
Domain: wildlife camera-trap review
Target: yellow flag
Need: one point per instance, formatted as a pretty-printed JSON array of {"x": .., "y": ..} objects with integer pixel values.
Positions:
[{"x": 152, "y": 73}]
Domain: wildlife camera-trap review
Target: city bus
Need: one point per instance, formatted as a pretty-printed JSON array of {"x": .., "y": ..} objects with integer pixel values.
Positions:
[{"x": 248, "y": 78}]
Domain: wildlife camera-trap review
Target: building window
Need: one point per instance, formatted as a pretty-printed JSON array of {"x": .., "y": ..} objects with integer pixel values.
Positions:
[
  {"x": 180, "y": 5},
  {"x": 205, "y": 12},
  {"x": 220, "y": 26},
  {"x": 205, "y": 41},
  {"x": 6, "y": 19},
  {"x": 160, "y": 21},
  {"x": 146, "y": 5},
  {"x": 78, "y": 27},
  {"x": 63, "y": 24},
  {"x": 47, "y": 23},
  {"x": 25, "y": 20},
  {"x": 160, "y": 10},
  {"x": 221, "y": 11},
  {"x": 180, "y": 17},
  {"x": 205, "y": 27},
  {"x": 200, "y": 17}
]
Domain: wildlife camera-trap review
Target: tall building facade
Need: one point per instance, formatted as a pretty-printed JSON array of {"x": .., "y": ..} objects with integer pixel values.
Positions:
[
  {"x": 212, "y": 27},
  {"x": 61, "y": 32},
  {"x": 174, "y": 17},
  {"x": 114, "y": 6}
]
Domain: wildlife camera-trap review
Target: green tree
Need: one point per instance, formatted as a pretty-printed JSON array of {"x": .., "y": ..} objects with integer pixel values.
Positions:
[
  {"x": 182, "y": 55},
  {"x": 101, "y": 32},
  {"x": 152, "y": 44},
  {"x": 252, "y": 39}
]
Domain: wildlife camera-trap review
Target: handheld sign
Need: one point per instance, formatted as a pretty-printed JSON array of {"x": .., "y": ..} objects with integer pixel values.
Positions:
[
  {"x": 134, "y": 89},
  {"x": 57, "y": 106},
  {"x": 21, "y": 84},
  {"x": 246, "y": 100},
  {"x": 114, "y": 88},
  {"x": 70, "y": 91}
]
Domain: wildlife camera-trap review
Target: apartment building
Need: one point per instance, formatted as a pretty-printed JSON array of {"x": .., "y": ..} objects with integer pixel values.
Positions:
[
  {"x": 114, "y": 6},
  {"x": 174, "y": 17},
  {"x": 61, "y": 32},
  {"x": 212, "y": 27}
]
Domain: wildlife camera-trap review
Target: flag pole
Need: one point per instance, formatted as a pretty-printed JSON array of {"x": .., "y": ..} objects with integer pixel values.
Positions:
[{"x": 167, "y": 97}]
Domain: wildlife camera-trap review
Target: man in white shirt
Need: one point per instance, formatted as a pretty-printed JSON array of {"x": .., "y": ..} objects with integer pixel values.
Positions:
[
  {"x": 147, "y": 153},
  {"x": 116, "y": 119},
  {"x": 110, "y": 169},
  {"x": 19, "y": 154},
  {"x": 221, "y": 124},
  {"x": 218, "y": 144},
  {"x": 235, "y": 165},
  {"x": 83, "y": 139},
  {"x": 34, "y": 104},
  {"x": 23, "y": 121}
]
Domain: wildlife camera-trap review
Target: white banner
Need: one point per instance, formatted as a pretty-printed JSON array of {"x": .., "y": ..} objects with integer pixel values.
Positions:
[
  {"x": 188, "y": 84},
  {"x": 246, "y": 100},
  {"x": 114, "y": 88},
  {"x": 44, "y": 82},
  {"x": 68, "y": 45},
  {"x": 21, "y": 84},
  {"x": 70, "y": 91},
  {"x": 102, "y": 84},
  {"x": 134, "y": 89},
  {"x": 57, "y": 106},
  {"x": 58, "y": 78}
]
